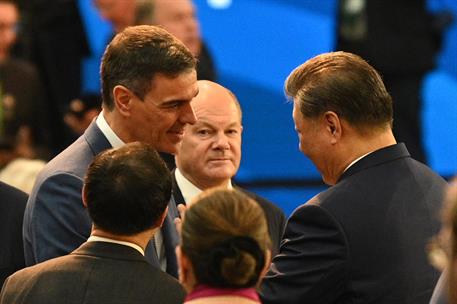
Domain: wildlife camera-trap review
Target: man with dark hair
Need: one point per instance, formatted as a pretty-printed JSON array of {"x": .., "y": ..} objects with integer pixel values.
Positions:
[
  {"x": 126, "y": 192},
  {"x": 12, "y": 205},
  {"x": 210, "y": 153},
  {"x": 148, "y": 80},
  {"x": 363, "y": 240}
]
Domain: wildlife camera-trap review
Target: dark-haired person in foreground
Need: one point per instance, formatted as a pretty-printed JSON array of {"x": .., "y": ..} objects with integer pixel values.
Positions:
[
  {"x": 210, "y": 153},
  {"x": 148, "y": 80},
  {"x": 224, "y": 248},
  {"x": 126, "y": 192},
  {"x": 363, "y": 240}
]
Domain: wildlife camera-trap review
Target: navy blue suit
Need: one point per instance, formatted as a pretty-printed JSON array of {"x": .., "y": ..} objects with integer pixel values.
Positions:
[
  {"x": 364, "y": 239},
  {"x": 55, "y": 220}
]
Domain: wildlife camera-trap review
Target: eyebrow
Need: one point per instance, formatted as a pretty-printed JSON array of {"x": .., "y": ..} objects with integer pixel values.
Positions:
[
  {"x": 179, "y": 101},
  {"x": 207, "y": 124}
]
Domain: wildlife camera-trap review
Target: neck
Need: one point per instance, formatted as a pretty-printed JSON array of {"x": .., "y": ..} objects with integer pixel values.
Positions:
[
  {"x": 351, "y": 149},
  {"x": 141, "y": 239},
  {"x": 115, "y": 122}
]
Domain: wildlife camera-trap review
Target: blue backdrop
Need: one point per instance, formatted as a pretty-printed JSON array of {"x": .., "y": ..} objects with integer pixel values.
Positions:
[{"x": 255, "y": 44}]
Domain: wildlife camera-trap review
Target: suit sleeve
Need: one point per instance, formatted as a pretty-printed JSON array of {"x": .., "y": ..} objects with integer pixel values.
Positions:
[
  {"x": 57, "y": 222},
  {"x": 312, "y": 264}
]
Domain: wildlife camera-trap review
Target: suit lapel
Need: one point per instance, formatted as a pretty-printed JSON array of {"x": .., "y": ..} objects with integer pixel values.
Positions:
[
  {"x": 96, "y": 139},
  {"x": 176, "y": 194}
]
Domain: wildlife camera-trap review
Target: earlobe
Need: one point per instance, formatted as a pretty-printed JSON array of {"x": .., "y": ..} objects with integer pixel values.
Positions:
[{"x": 123, "y": 99}]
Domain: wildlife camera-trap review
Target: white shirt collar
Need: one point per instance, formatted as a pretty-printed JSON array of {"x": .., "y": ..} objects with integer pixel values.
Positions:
[
  {"x": 94, "y": 238},
  {"x": 113, "y": 139},
  {"x": 356, "y": 160},
  {"x": 189, "y": 190}
]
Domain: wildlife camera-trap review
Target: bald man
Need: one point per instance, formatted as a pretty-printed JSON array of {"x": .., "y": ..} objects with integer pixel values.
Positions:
[{"x": 210, "y": 152}]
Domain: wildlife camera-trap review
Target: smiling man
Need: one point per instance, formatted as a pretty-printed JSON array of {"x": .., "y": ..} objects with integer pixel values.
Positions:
[
  {"x": 148, "y": 80},
  {"x": 210, "y": 152},
  {"x": 363, "y": 240}
]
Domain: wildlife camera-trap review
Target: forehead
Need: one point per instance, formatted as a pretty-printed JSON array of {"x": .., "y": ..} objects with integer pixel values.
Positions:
[
  {"x": 162, "y": 7},
  {"x": 165, "y": 88},
  {"x": 215, "y": 103}
]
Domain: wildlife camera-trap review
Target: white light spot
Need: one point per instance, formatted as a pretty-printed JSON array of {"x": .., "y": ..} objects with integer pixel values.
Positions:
[{"x": 219, "y": 4}]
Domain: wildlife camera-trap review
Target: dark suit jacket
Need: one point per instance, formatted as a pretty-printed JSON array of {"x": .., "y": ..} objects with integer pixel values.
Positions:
[
  {"x": 12, "y": 205},
  {"x": 96, "y": 272},
  {"x": 362, "y": 240},
  {"x": 55, "y": 220},
  {"x": 275, "y": 216}
]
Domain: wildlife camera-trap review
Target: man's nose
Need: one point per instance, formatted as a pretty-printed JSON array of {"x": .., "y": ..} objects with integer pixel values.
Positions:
[
  {"x": 187, "y": 114},
  {"x": 221, "y": 141}
]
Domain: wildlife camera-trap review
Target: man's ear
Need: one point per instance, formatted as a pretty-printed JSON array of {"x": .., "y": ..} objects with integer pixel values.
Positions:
[
  {"x": 123, "y": 99},
  {"x": 333, "y": 126},
  {"x": 84, "y": 196}
]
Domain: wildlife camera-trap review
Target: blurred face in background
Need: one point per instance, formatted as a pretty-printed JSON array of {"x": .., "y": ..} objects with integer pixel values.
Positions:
[
  {"x": 179, "y": 18},
  {"x": 8, "y": 27},
  {"x": 121, "y": 13}
]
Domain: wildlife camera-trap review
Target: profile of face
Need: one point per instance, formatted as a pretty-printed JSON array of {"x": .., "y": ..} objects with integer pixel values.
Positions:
[
  {"x": 210, "y": 152},
  {"x": 121, "y": 13},
  {"x": 312, "y": 138},
  {"x": 8, "y": 26},
  {"x": 160, "y": 117},
  {"x": 179, "y": 18}
]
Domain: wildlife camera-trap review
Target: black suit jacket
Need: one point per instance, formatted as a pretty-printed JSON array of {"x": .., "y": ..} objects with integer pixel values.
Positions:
[
  {"x": 12, "y": 205},
  {"x": 96, "y": 272},
  {"x": 275, "y": 217},
  {"x": 362, "y": 240}
]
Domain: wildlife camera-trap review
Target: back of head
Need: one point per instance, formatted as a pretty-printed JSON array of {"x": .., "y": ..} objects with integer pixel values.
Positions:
[
  {"x": 345, "y": 84},
  {"x": 126, "y": 190},
  {"x": 225, "y": 236},
  {"x": 136, "y": 55}
]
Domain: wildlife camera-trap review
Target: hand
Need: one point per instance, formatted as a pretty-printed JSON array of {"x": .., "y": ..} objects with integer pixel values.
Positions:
[{"x": 178, "y": 221}]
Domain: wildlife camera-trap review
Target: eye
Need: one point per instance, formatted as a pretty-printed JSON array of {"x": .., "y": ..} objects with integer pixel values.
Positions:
[
  {"x": 203, "y": 132},
  {"x": 232, "y": 132}
]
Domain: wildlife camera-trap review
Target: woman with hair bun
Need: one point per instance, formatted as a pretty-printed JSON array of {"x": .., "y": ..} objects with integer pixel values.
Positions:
[{"x": 225, "y": 248}]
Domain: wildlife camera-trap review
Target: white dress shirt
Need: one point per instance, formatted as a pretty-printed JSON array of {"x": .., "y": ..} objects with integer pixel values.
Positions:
[
  {"x": 94, "y": 238},
  {"x": 189, "y": 190}
]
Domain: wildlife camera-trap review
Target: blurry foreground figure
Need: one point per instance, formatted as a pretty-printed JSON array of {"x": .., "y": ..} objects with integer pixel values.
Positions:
[{"x": 224, "y": 248}]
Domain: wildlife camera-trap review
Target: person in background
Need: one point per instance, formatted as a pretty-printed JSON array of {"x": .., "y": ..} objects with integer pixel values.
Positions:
[
  {"x": 126, "y": 192},
  {"x": 12, "y": 205},
  {"x": 148, "y": 81},
  {"x": 362, "y": 240},
  {"x": 81, "y": 111},
  {"x": 224, "y": 248},
  {"x": 210, "y": 153},
  {"x": 179, "y": 17},
  {"x": 120, "y": 13},
  {"x": 23, "y": 131}
]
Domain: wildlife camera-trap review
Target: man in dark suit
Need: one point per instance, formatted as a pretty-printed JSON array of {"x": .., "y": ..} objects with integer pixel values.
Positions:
[
  {"x": 12, "y": 205},
  {"x": 126, "y": 192},
  {"x": 210, "y": 152},
  {"x": 148, "y": 79},
  {"x": 363, "y": 240}
]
